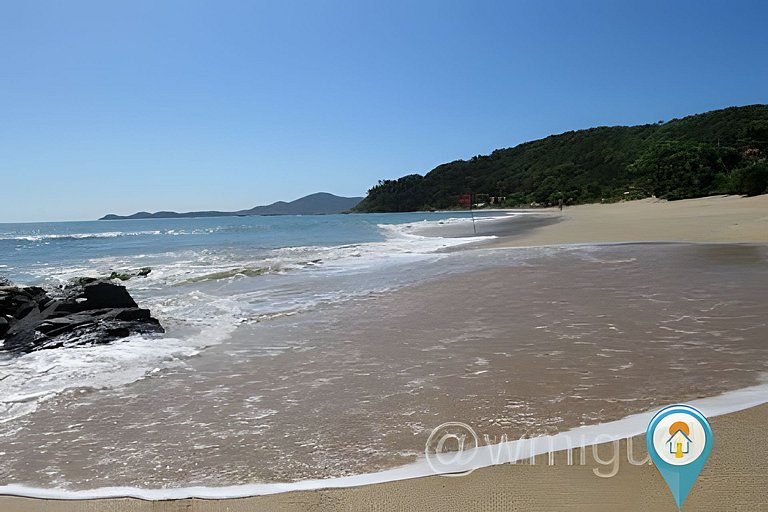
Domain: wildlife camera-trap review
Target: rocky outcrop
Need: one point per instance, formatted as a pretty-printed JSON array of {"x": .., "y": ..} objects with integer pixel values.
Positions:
[{"x": 86, "y": 312}]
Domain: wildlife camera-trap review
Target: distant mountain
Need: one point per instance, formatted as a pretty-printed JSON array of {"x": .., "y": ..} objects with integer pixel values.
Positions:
[
  {"x": 321, "y": 203},
  {"x": 314, "y": 204}
]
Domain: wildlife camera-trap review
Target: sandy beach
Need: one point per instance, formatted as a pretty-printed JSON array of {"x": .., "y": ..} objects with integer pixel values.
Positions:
[
  {"x": 708, "y": 219},
  {"x": 734, "y": 477}
]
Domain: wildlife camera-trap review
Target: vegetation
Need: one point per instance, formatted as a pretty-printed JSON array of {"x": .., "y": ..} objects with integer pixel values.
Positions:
[{"x": 718, "y": 152}]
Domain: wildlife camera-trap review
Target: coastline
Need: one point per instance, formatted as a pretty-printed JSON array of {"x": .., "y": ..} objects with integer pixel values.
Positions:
[
  {"x": 732, "y": 219},
  {"x": 726, "y": 219},
  {"x": 538, "y": 487}
]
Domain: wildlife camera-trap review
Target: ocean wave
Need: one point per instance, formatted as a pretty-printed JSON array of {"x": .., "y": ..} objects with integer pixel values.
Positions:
[
  {"x": 233, "y": 268},
  {"x": 31, "y": 379},
  {"x": 75, "y": 236},
  {"x": 411, "y": 228},
  {"x": 399, "y": 241},
  {"x": 230, "y": 273},
  {"x": 206, "y": 293},
  {"x": 37, "y": 237},
  {"x": 418, "y": 227}
]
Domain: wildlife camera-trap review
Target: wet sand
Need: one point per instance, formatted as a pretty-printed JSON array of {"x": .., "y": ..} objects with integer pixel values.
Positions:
[
  {"x": 553, "y": 339},
  {"x": 734, "y": 478}
]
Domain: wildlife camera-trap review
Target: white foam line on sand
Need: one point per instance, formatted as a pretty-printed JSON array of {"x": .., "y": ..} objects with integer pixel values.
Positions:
[{"x": 482, "y": 456}]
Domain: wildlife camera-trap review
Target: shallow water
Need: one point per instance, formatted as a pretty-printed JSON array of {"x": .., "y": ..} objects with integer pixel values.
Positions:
[
  {"x": 535, "y": 341},
  {"x": 208, "y": 275}
]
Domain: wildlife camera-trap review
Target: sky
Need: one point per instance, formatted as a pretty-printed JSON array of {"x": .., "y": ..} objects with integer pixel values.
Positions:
[{"x": 118, "y": 107}]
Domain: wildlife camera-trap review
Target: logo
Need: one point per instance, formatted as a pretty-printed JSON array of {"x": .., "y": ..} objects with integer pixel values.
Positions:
[{"x": 679, "y": 440}]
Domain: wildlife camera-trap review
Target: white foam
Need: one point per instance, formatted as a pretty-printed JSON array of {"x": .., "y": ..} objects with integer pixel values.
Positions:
[
  {"x": 172, "y": 268},
  {"x": 33, "y": 378},
  {"x": 76, "y": 236},
  {"x": 400, "y": 243},
  {"x": 483, "y": 456},
  {"x": 38, "y": 376},
  {"x": 30, "y": 379},
  {"x": 35, "y": 236},
  {"x": 413, "y": 228}
]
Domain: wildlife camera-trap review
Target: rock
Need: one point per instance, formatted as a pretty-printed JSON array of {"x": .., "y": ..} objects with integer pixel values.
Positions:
[
  {"x": 133, "y": 314},
  {"x": 24, "y": 309},
  {"x": 65, "y": 308},
  {"x": 124, "y": 276},
  {"x": 82, "y": 281},
  {"x": 107, "y": 295},
  {"x": 85, "y": 312},
  {"x": 114, "y": 275}
]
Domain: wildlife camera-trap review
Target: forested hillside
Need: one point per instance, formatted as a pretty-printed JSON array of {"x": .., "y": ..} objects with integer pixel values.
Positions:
[{"x": 723, "y": 151}]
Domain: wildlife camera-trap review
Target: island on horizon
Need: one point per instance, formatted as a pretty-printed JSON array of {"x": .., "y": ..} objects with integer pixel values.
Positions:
[{"x": 320, "y": 203}]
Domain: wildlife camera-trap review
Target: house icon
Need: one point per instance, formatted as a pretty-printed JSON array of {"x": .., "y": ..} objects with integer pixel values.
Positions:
[{"x": 679, "y": 443}]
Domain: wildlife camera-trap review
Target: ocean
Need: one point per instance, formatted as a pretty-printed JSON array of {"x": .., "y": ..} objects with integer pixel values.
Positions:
[
  {"x": 208, "y": 275},
  {"x": 312, "y": 347}
]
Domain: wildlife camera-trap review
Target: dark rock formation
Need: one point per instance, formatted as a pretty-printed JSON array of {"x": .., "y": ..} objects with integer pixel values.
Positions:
[
  {"x": 86, "y": 312},
  {"x": 107, "y": 295},
  {"x": 123, "y": 276}
]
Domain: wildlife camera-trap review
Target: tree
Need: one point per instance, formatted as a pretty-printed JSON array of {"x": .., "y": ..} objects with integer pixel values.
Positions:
[
  {"x": 690, "y": 157},
  {"x": 676, "y": 170},
  {"x": 751, "y": 180}
]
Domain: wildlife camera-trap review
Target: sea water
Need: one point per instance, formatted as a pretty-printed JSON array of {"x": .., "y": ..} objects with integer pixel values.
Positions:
[
  {"x": 319, "y": 347},
  {"x": 208, "y": 275}
]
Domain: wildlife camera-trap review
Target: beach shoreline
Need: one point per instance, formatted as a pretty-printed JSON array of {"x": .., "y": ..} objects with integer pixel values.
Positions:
[
  {"x": 732, "y": 219},
  {"x": 520, "y": 487},
  {"x": 714, "y": 219},
  {"x": 607, "y": 478}
]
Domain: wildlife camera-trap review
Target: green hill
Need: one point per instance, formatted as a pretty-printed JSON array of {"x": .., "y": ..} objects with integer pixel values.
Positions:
[
  {"x": 723, "y": 151},
  {"x": 320, "y": 203}
]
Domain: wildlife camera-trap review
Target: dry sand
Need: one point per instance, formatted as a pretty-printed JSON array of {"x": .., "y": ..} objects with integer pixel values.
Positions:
[
  {"x": 709, "y": 219},
  {"x": 735, "y": 477}
]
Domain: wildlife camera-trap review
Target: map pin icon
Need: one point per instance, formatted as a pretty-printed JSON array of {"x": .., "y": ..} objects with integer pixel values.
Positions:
[{"x": 679, "y": 440}]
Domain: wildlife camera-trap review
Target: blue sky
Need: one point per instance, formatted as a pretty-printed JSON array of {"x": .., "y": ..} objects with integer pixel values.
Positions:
[{"x": 190, "y": 104}]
